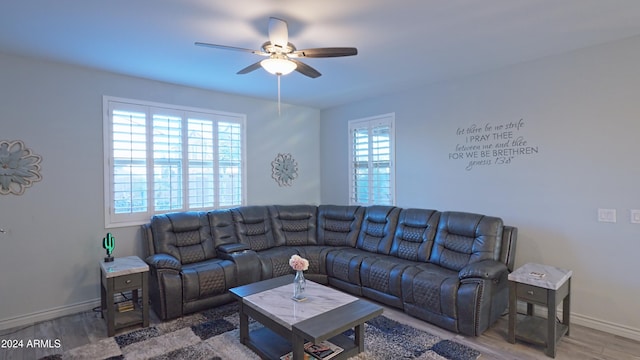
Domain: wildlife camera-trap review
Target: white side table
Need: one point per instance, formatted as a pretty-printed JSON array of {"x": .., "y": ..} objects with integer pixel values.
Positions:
[
  {"x": 124, "y": 274},
  {"x": 540, "y": 285}
]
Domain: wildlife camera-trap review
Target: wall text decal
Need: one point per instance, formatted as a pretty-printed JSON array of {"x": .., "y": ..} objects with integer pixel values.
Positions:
[{"x": 488, "y": 144}]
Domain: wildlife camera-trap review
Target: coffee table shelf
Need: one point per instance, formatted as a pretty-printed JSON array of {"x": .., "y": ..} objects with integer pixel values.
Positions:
[{"x": 269, "y": 345}]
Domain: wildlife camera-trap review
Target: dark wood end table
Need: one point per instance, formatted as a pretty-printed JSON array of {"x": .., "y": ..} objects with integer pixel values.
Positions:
[
  {"x": 541, "y": 285},
  {"x": 120, "y": 275}
]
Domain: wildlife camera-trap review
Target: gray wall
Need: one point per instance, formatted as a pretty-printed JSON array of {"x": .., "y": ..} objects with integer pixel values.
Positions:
[
  {"x": 50, "y": 251},
  {"x": 580, "y": 112}
]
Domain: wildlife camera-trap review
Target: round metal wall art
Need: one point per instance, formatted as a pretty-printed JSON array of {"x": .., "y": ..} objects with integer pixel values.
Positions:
[
  {"x": 284, "y": 169},
  {"x": 19, "y": 167}
]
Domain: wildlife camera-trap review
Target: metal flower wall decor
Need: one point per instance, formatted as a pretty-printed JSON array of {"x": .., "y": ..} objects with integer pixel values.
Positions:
[
  {"x": 19, "y": 167},
  {"x": 284, "y": 169}
]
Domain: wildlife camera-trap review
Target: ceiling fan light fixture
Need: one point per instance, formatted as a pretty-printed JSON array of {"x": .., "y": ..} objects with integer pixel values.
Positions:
[
  {"x": 279, "y": 52},
  {"x": 278, "y": 66}
]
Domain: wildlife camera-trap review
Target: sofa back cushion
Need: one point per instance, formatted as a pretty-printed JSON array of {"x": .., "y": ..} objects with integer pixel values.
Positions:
[
  {"x": 223, "y": 229},
  {"x": 184, "y": 235},
  {"x": 296, "y": 224},
  {"x": 465, "y": 238},
  {"x": 378, "y": 227},
  {"x": 253, "y": 227},
  {"x": 415, "y": 234},
  {"x": 339, "y": 225}
]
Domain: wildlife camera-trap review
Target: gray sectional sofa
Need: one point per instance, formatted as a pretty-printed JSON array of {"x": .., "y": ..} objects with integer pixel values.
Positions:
[{"x": 447, "y": 268}]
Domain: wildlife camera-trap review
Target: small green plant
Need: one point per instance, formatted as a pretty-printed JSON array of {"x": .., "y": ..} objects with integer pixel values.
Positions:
[{"x": 109, "y": 243}]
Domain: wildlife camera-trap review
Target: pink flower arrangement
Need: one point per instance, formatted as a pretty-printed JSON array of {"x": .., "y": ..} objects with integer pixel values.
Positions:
[{"x": 298, "y": 263}]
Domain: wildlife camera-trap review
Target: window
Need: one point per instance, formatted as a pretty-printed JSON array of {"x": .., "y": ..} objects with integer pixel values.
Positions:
[
  {"x": 371, "y": 168},
  {"x": 164, "y": 158}
]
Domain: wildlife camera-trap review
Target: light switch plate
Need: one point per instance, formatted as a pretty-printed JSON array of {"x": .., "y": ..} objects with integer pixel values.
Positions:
[
  {"x": 635, "y": 216},
  {"x": 607, "y": 215}
]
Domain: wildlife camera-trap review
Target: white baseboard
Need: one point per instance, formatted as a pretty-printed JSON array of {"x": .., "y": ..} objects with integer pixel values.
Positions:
[
  {"x": 608, "y": 327},
  {"x": 590, "y": 322},
  {"x": 44, "y": 315}
]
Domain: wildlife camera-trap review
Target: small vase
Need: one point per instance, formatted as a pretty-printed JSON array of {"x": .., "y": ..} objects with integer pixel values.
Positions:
[{"x": 299, "y": 283}]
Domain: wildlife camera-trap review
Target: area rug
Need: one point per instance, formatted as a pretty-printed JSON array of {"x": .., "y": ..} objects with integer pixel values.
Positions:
[{"x": 213, "y": 335}]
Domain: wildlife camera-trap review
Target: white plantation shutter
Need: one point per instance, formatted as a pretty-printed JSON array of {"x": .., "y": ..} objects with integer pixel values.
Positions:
[
  {"x": 230, "y": 161},
  {"x": 201, "y": 163},
  {"x": 381, "y": 164},
  {"x": 129, "y": 195},
  {"x": 360, "y": 166},
  {"x": 167, "y": 162},
  {"x": 161, "y": 158},
  {"x": 371, "y": 169}
]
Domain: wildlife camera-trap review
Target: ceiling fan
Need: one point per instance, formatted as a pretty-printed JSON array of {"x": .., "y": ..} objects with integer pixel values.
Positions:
[{"x": 282, "y": 55}]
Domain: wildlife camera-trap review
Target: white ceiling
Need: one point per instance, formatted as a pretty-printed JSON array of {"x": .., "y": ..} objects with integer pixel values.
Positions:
[{"x": 402, "y": 44}]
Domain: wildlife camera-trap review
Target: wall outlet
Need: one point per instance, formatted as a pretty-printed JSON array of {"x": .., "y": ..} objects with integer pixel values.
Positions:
[
  {"x": 635, "y": 216},
  {"x": 607, "y": 215}
]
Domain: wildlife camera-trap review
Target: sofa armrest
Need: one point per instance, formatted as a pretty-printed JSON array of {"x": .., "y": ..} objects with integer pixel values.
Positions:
[
  {"x": 164, "y": 261},
  {"x": 232, "y": 248},
  {"x": 508, "y": 247},
  {"x": 165, "y": 285},
  {"x": 486, "y": 269},
  {"x": 247, "y": 265}
]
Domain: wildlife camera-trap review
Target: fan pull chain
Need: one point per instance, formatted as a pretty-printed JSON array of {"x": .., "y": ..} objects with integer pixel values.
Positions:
[{"x": 279, "y": 95}]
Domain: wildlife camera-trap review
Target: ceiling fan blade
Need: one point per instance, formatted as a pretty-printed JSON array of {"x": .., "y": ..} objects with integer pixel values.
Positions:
[
  {"x": 233, "y": 48},
  {"x": 278, "y": 32},
  {"x": 306, "y": 70},
  {"x": 326, "y": 52},
  {"x": 250, "y": 68}
]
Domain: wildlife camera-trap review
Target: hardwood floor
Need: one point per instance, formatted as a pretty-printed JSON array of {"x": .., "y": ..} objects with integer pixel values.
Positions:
[{"x": 583, "y": 344}]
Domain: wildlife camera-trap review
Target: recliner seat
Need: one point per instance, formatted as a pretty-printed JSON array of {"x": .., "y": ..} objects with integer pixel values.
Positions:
[
  {"x": 186, "y": 269},
  {"x": 381, "y": 275},
  {"x": 376, "y": 234},
  {"x": 433, "y": 291}
]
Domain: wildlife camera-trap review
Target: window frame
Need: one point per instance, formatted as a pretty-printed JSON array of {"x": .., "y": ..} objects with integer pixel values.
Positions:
[
  {"x": 113, "y": 220},
  {"x": 370, "y": 123}
]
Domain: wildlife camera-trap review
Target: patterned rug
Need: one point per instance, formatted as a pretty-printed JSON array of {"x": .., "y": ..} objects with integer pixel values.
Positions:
[{"x": 213, "y": 335}]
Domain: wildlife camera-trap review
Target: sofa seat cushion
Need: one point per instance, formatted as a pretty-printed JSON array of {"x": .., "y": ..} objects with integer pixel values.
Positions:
[
  {"x": 317, "y": 256},
  {"x": 274, "y": 262},
  {"x": 384, "y": 274},
  {"x": 207, "y": 278},
  {"x": 344, "y": 264},
  {"x": 432, "y": 288}
]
